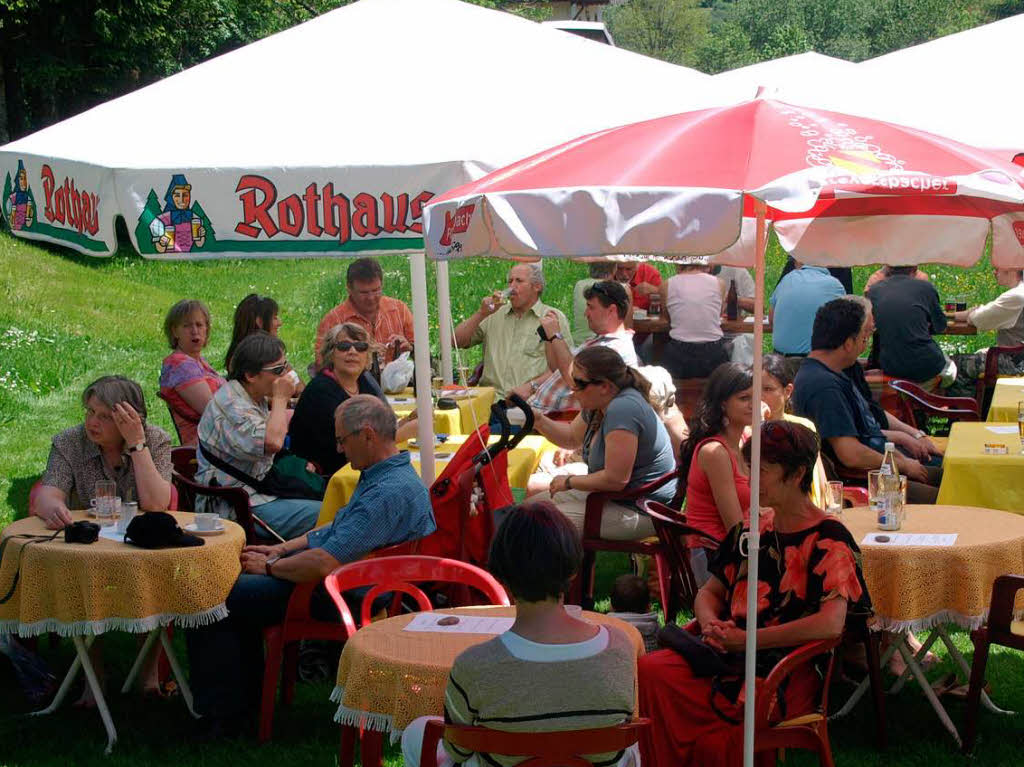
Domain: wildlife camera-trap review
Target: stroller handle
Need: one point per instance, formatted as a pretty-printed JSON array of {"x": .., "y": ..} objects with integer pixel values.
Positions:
[{"x": 499, "y": 412}]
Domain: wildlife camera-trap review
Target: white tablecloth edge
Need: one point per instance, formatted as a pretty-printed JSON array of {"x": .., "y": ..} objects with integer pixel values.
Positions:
[{"x": 131, "y": 625}]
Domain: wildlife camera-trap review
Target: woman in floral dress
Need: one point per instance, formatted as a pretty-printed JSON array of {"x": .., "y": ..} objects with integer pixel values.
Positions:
[{"x": 809, "y": 573}]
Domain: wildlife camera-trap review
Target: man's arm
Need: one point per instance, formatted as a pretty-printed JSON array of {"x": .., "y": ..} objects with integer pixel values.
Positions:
[
  {"x": 302, "y": 567},
  {"x": 855, "y": 455},
  {"x": 998, "y": 314},
  {"x": 467, "y": 329},
  {"x": 557, "y": 352}
]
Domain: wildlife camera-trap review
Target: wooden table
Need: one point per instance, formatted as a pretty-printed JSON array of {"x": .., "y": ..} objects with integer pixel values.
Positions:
[
  {"x": 81, "y": 591},
  {"x": 970, "y": 477},
  {"x": 388, "y": 677},
  {"x": 1008, "y": 392},
  {"x": 919, "y": 588}
]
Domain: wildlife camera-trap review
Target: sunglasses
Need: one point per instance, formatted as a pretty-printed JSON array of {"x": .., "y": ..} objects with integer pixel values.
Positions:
[
  {"x": 344, "y": 346},
  {"x": 579, "y": 384},
  {"x": 277, "y": 369}
]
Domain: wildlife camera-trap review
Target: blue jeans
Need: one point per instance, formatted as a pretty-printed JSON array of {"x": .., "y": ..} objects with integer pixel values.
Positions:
[{"x": 290, "y": 517}]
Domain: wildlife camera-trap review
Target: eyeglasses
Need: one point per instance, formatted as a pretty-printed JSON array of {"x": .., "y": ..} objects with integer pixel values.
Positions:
[
  {"x": 579, "y": 384},
  {"x": 341, "y": 440},
  {"x": 277, "y": 369},
  {"x": 344, "y": 346}
]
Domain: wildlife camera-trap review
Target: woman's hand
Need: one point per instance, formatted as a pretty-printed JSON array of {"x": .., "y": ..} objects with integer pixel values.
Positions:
[
  {"x": 562, "y": 456},
  {"x": 129, "y": 423},
  {"x": 558, "y": 484},
  {"x": 725, "y": 636}
]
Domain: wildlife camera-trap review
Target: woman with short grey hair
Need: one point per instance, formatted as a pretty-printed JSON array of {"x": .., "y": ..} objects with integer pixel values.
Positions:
[{"x": 113, "y": 444}]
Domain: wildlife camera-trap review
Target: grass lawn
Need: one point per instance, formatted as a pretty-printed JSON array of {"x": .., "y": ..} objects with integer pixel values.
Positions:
[{"x": 68, "y": 319}]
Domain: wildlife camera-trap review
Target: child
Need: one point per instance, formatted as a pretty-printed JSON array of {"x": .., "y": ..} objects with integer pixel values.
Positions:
[{"x": 631, "y": 602}]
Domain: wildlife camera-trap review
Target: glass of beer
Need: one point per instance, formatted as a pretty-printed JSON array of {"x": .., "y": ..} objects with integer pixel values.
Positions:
[{"x": 196, "y": 224}]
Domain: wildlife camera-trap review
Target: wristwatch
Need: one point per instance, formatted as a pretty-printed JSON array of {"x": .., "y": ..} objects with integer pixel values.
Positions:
[
  {"x": 137, "y": 448},
  {"x": 553, "y": 336},
  {"x": 533, "y": 387},
  {"x": 270, "y": 563}
]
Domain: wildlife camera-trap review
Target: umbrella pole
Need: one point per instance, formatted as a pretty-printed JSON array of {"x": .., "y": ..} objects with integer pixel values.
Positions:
[
  {"x": 421, "y": 352},
  {"x": 444, "y": 319},
  {"x": 754, "y": 541}
]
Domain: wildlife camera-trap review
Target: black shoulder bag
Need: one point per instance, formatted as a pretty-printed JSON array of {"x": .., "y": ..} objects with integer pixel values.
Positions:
[{"x": 275, "y": 482}]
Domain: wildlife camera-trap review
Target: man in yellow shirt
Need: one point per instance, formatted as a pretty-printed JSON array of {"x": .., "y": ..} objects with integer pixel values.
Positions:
[{"x": 507, "y": 327}]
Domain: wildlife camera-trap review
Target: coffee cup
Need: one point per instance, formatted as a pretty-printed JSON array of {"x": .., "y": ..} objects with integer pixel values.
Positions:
[{"x": 207, "y": 522}]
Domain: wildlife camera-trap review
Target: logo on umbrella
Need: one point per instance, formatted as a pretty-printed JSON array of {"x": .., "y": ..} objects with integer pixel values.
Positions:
[
  {"x": 1018, "y": 229},
  {"x": 456, "y": 223}
]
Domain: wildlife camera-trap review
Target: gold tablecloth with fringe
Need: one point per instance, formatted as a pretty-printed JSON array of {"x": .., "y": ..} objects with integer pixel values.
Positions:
[
  {"x": 918, "y": 587},
  {"x": 77, "y": 589},
  {"x": 387, "y": 677}
]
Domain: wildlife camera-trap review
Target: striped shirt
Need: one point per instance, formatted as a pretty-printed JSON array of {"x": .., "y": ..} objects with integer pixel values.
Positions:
[
  {"x": 510, "y": 683},
  {"x": 554, "y": 394},
  {"x": 393, "y": 318}
]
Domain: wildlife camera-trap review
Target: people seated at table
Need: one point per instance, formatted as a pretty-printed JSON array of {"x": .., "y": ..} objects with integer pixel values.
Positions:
[
  {"x": 693, "y": 299},
  {"x": 885, "y": 272},
  {"x": 114, "y": 444},
  {"x": 776, "y": 389},
  {"x": 599, "y": 270},
  {"x": 513, "y": 351},
  {"x": 794, "y": 302},
  {"x": 624, "y": 444},
  {"x": 343, "y": 373},
  {"x": 390, "y": 505},
  {"x": 842, "y": 273},
  {"x": 643, "y": 280},
  {"x": 388, "y": 320},
  {"x": 187, "y": 381},
  {"x": 714, "y": 476},
  {"x": 551, "y": 670},
  {"x": 607, "y": 306},
  {"x": 245, "y": 425},
  {"x": 851, "y": 435},
  {"x": 809, "y": 575},
  {"x": 631, "y": 603},
  {"x": 907, "y": 312}
]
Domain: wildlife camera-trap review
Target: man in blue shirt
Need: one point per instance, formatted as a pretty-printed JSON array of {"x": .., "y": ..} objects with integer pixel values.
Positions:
[
  {"x": 794, "y": 303},
  {"x": 850, "y": 433},
  {"x": 390, "y": 505}
]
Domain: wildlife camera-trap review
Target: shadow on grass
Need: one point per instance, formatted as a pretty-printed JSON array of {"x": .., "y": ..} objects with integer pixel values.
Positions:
[{"x": 17, "y": 494}]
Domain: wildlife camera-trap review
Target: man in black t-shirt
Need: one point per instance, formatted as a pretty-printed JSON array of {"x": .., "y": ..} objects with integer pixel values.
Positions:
[
  {"x": 850, "y": 433},
  {"x": 907, "y": 312}
]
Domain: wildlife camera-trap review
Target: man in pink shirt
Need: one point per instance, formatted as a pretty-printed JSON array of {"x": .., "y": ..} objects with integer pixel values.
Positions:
[
  {"x": 643, "y": 280},
  {"x": 386, "y": 319}
]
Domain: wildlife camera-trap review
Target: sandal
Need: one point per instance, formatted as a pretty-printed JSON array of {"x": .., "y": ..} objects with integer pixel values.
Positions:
[{"x": 166, "y": 689}]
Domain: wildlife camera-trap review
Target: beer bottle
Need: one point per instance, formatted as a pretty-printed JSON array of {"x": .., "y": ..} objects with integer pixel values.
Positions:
[
  {"x": 375, "y": 367},
  {"x": 732, "y": 302}
]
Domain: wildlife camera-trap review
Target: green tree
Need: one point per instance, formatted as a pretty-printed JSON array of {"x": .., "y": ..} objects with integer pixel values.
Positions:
[{"x": 670, "y": 30}]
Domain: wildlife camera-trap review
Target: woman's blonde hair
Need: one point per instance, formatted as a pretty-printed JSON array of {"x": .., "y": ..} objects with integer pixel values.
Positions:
[{"x": 345, "y": 331}]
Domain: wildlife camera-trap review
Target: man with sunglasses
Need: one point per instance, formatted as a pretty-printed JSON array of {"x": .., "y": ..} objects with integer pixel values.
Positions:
[
  {"x": 245, "y": 425},
  {"x": 607, "y": 305}
]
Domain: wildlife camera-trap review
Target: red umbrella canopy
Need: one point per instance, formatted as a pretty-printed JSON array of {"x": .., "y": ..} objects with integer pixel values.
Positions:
[{"x": 839, "y": 189}]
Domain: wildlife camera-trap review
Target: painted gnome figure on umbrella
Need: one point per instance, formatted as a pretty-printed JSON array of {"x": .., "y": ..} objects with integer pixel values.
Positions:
[
  {"x": 178, "y": 228},
  {"x": 20, "y": 208}
]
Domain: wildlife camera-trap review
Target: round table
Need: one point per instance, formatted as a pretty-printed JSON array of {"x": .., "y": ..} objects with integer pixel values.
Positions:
[
  {"x": 83, "y": 590},
  {"x": 387, "y": 677},
  {"x": 917, "y": 587}
]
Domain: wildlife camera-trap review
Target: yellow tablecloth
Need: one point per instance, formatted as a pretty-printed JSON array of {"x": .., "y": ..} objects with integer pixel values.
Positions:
[
  {"x": 387, "y": 677},
  {"x": 77, "y": 589},
  {"x": 917, "y": 587},
  {"x": 1008, "y": 392},
  {"x": 472, "y": 412},
  {"x": 522, "y": 462},
  {"x": 972, "y": 478}
]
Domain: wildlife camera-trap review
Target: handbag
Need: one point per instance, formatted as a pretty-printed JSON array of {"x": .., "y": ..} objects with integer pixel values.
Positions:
[
  {"x": 704, "y": 660},
  {"x": 284, "y": 480}
]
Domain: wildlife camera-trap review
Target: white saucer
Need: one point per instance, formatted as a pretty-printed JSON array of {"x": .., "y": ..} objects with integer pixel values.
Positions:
[{"x": 191, "y": 528}]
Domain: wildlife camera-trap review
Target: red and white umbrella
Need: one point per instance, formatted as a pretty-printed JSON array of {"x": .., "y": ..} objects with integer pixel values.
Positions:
[{"x": 838, "y": 190}]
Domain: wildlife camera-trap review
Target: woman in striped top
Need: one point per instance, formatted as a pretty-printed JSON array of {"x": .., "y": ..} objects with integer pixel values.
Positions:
[{"x": 550, "y": 671}]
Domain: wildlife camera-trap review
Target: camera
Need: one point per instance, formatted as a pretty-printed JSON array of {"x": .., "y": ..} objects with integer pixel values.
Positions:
[{"x": 82, "y": 532}]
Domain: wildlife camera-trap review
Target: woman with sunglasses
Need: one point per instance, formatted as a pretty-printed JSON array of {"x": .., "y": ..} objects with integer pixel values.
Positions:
[
  {"x": 245, "y": 425},
  {"x": 809, "y": 575},
  {"x": 624, "y": 443},
  {"x": 715, "y": 478},
  {"x": 344, "y": 361}
]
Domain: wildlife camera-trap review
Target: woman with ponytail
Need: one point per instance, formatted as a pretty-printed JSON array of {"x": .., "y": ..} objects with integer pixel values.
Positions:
[
  {"x": 623, "y": 441},
  {"x": 715, "y": 478}
]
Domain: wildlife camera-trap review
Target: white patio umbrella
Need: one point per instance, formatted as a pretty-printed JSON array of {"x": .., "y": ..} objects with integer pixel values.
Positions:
[{"x": 838, "y": 189}]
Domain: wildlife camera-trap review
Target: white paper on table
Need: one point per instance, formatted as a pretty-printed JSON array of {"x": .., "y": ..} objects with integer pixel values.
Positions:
[
  {"x": 1002, "y": 429},
  {"x": 1010, "y": 382},
  {"x": 750, "y": 319},
  {"x": 468, "y": 624},
  {"x": 911, "y": 539}
]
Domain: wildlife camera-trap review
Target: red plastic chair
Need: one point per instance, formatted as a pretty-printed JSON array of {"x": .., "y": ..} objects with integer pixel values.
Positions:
[
  {"x": 675, "y": 576},
  {"x": 397, "y": 575},
  {"x": 913, "y": 399},
  {"x": 545, "y": 749},
  {"x": 583, "y": 588},
  {"x": 282, "y": 648},
  {"x": 1000, "y": 629},
  {"x": 183, "y": 460}
]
